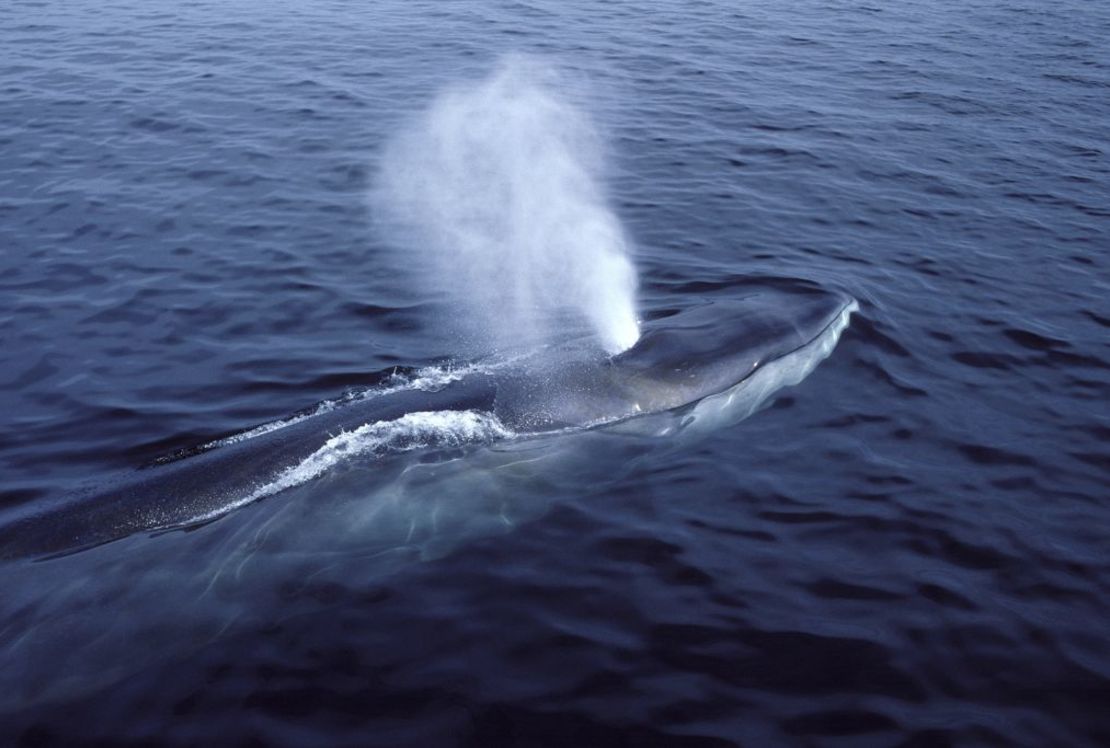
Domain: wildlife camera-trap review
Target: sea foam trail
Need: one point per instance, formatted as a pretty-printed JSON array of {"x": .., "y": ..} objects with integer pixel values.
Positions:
[
  {"x": 419, "y": 430},
  {"x": 429, "y": 378},
  {"x": 495, "y": 194}
]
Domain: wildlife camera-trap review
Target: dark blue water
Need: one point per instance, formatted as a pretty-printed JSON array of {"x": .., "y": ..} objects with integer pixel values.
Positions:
[{"x": 909, "y": 548}]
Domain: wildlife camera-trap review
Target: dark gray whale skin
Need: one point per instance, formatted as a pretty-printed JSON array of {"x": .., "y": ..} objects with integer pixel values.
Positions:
[{"x": 680, "y": 359}]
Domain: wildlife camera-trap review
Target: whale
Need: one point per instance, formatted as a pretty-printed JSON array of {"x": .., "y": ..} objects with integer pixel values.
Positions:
[{"x": 753, "y": 338}]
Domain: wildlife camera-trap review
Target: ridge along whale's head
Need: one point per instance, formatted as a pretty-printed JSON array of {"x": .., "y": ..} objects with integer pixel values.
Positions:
[
  {"x": 682, "y": 356},
  {"x": 712, "y": 346}
]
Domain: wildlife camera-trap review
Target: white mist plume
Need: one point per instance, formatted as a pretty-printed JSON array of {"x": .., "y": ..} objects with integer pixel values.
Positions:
[{"x": 495, "y": 192}]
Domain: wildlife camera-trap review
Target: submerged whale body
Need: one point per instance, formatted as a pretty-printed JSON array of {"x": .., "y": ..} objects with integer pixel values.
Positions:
[{"x": 762, "y": 336}]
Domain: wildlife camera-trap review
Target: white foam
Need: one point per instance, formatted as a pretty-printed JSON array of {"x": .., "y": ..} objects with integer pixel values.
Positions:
[
  {"x": 435, "y": 428},
  {"x": 427, "y": 379},
  {"x": 262, "y": 429},
  {"x": 432, "y": 378}
]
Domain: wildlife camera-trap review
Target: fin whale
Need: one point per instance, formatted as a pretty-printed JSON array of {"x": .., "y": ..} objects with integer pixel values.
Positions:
[{"x": 683, "y": 357}]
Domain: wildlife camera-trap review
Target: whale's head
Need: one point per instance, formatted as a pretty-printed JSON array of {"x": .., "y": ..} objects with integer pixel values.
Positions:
[
  {"x": 682, "y": 357},
  {"x": 688, "y": 354}
]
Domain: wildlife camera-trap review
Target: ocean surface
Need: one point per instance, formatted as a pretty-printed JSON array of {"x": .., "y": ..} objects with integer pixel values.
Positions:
[{"x": 911, "y": 547}]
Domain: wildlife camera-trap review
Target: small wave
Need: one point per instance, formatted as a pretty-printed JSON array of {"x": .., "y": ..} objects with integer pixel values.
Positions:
[
  {"x": 431, "y": 378},
  {"x": 427, "y": 379},
  {"x": 437, "y": 428},
  {"x": 265, "y": 428}
]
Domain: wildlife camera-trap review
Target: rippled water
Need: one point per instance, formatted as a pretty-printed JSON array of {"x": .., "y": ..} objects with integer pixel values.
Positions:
[{"x": 909, "y": 548}]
